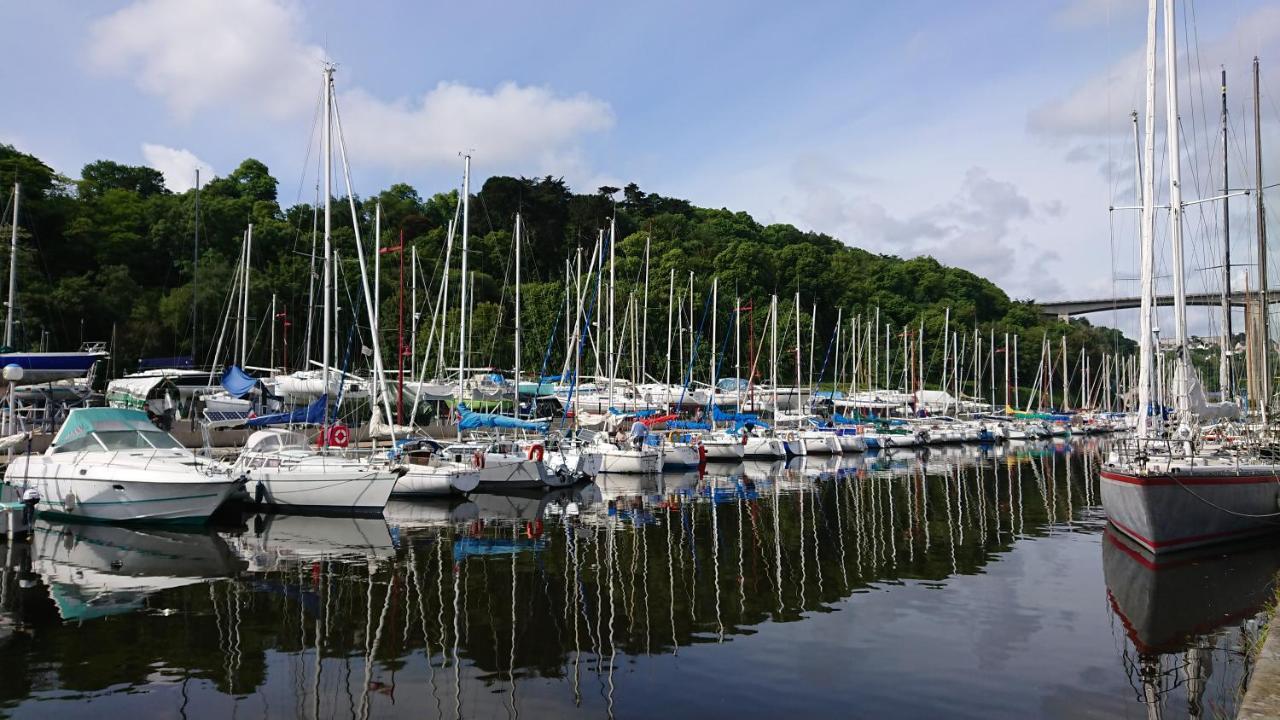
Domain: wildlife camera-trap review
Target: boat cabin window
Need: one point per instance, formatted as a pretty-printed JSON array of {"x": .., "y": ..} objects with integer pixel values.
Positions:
[{"x": 121, "y": 440}]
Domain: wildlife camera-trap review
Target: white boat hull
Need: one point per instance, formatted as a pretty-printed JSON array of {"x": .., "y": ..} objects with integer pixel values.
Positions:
[
  {"x": 725, "y": 449},
  {"x": 764, "y": 447},
  {"x": 629, "y": 461},
  {"x": 348, "y": 487},
  {"x": 121, "y": 492},
  {"x": 436, "y": 481}
]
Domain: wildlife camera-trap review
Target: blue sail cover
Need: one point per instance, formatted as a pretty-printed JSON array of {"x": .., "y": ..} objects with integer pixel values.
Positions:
[
  {"x": 312, "y": 414},
  {"x": 478, "y": 421},
  {"x": 687, "y": 425},
  {"x": 238, "y": 382},
  {"x": 180, "y": 362},
  {"x": 842, "y": 420},
  {"x": 721, "y": 416}
]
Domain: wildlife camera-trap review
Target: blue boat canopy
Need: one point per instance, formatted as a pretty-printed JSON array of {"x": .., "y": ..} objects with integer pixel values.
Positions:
[
  {"x": 312, "y": 414},
  {"x": 476, "y": 421},
  {"x": 238, "y": 382}
]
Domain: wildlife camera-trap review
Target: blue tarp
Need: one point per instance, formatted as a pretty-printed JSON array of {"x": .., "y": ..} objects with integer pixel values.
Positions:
[
  {"x": 721, "y": 416},
  {"x": 687, "y": 425},
  {"x": 740, "y": 424},
  {"x": 312, "y": 414},
  {"x": 238, "y": 382},
  {"x": 842, "y": 420},
  {"x": 476, "y": 421}
]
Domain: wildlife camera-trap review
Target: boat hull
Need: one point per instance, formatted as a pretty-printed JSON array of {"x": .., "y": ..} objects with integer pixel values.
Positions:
[
  {"x": 1189, "y": 508},
  {"x": 109, "y": 495},
  {"x": 726, "y": 450},
  {"x": 615, "y": 460},
  {"x": 764, "y": 447},
  {"x": 356, "y": 490}
]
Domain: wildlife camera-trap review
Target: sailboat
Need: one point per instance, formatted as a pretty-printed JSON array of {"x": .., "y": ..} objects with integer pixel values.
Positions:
[
  {"x": 39, "y": 367},
  {"x": 282, "y": 470},
  {"x": 1167, "y": 493}
]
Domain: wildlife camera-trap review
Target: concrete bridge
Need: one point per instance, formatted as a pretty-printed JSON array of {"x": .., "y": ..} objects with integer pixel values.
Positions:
[{"x": 1064, "y": 309}]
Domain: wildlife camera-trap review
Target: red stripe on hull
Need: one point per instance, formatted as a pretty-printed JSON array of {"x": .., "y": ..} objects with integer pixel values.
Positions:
[
  {"x": 1155, "y": 545},
  {"x": 1189, "y": 479}
]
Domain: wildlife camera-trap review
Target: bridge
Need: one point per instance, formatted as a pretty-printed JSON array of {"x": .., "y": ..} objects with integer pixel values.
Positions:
[{"x": 1064, "y": 309}]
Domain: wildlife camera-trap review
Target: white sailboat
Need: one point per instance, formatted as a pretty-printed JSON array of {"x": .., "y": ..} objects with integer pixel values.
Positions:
[{"x": 282, "y": 469}]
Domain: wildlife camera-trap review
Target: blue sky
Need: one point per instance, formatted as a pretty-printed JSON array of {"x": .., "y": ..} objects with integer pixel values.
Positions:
[{"x": 993, "y": 135}]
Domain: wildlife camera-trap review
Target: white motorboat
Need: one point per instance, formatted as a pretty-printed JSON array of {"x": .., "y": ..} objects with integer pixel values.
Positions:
[
  {"x": 113, "y": 465},
  {"x": 283, "y": 471}
]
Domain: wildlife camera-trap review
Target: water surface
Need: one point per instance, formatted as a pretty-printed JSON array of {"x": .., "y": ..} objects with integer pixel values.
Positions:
[{"x": 958, "y": 582}]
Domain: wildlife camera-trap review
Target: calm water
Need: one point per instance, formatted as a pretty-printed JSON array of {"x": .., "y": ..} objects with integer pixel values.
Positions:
[{"x": 956, "y": 583}]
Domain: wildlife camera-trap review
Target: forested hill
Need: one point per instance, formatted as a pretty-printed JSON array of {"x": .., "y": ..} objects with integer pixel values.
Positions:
[{"x": 112, "y": 254}]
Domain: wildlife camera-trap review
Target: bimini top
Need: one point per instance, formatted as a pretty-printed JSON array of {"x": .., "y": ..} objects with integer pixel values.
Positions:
[{"x": 103, "y": 428}]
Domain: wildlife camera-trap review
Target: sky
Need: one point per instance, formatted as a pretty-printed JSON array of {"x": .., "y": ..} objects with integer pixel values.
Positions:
[{"x": 994, "y": 135}]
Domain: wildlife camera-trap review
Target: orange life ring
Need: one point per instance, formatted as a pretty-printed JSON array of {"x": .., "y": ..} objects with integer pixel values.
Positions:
[{"x": 536, "y": 452}]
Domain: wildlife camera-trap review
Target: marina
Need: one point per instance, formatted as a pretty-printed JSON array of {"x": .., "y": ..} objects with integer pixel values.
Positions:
[
  {"x": 930, "y": 374},
  {"x": 985, "y": 580}
]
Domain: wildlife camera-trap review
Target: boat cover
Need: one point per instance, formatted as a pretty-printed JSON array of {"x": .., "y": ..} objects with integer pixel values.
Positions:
[
  {"x": 312, "y": 414},
  {"x": 238, "y": 382}
]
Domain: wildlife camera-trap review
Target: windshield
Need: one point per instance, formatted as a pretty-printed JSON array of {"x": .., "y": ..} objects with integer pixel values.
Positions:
[{"x": 122, "y": 440}]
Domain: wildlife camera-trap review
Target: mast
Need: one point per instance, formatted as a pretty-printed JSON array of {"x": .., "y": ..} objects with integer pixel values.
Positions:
[
  {"x": 1182, "y": 368},
  {"x": 195, "y": 272},
  {"x": 773, "y": 352},
  {"x": 799, "y": 394},
  {"x": 326, "y": 333},
  {"x": 244, "y": 308},
  {"x": 715, "y": 337},
  {"x": 611, "y": 367},
  {"x": 671, "y": 307},
  {"x": 13, "y": 268},
  {"x": 400, "y": 337},
  {"x": 1147, "y": 250},
  {"x": 1066, "y": 398},
  {"x": 1226, "y": 382},
  {"x": 644, "y": 315},
  {"x": 413, "y": 313},
  {"x": 515, "y": 412},
  {"x": 462, "y": 278},
  {"x": 1264, "y": 304}
]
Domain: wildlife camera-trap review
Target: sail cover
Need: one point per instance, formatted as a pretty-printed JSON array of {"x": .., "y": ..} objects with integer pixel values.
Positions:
[
  {"x": 237, "y": 382},
  {"x": 477, "y": 421},
  {"x": 312, "y": 414}
]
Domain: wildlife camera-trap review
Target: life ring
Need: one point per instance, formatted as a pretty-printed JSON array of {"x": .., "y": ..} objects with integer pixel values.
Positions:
[
  {"x": 477, "y": 459},
  {"x": 339, "y": 436},
  {"x": 536, "y": 452},
  {"x": 744, "y": 437}
]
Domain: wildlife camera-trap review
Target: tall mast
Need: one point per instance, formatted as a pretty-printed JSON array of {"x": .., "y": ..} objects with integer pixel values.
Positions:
[
  {"x": 1226, "y": 382},
  {"x": 462, "y": 279},
  {"x": 773, "y": 353},
  {"x": 715, "y": 337},
  {"x": 326, "y": 333},
  {"x": 799, "y": 394},
  {"x": 413, "y": 313},
  {"x": 611, "y": 362},
  {"x": 1182, "y": 368},
  {"x": 1264, "y": 302},
  {"x": 515, "y": 412},
  {"x": 244, "y": 314},
  {"x": 1147, "y": 250},
  {"x": 195, "y": 273},
  {"x": 644, "y": 315},
  {"x": 671, "y": 306},
  {"x": 13, "y": 268}
]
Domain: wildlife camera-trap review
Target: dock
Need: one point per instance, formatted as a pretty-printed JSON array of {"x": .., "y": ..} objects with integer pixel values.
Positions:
[{"x": 1262, "y": 699}]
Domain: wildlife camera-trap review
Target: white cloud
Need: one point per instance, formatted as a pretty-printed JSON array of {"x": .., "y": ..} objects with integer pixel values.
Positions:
[
  {"x": 202, "y": 54},
  {"x": 1099, "y": 105},
  {"x": 177, "y": 165},
  {"x": 251, "y": 57},
  {"x": 510, "y": 124}
]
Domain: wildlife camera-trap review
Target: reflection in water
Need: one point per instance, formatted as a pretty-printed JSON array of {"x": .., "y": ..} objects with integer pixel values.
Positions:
[{"x": 544, "y": 603}]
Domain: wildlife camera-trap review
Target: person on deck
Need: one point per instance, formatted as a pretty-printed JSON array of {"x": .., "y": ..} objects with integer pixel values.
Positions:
[{"x": 638, "y": 433}]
